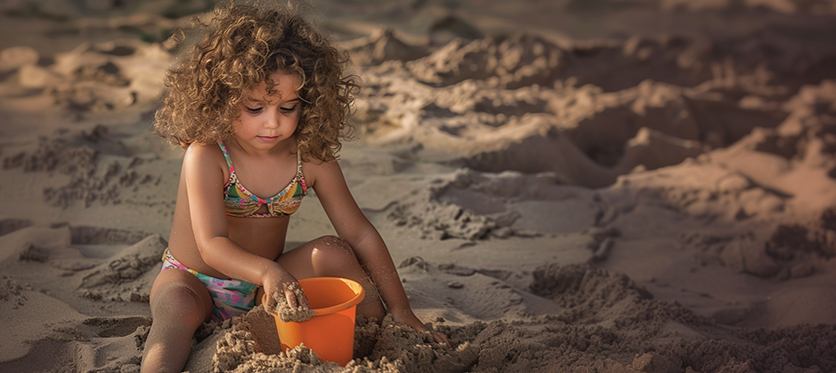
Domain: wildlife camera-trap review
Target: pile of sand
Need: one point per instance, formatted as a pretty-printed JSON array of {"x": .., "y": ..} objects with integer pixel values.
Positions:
[{"x": 606, "y": 322}]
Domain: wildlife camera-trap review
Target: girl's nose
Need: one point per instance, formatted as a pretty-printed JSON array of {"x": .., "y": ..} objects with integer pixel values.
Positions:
[{"x": 272, "y": 121}]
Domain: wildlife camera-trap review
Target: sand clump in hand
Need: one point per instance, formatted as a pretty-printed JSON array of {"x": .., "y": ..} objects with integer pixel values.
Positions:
[{"x": 287, "y": 313}]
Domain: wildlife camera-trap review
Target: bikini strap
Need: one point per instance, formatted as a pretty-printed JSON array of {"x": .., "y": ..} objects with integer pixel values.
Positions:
[
  {"x": 298, "y": 160},
  {"x": 299, "y": 175},
  {"x": 228, "y": 159}
]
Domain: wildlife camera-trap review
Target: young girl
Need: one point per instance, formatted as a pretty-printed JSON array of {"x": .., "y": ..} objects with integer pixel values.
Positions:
[{"x": 260, "y": 104}]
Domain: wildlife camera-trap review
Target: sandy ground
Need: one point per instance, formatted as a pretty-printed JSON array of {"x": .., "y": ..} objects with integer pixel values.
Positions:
[{"x": 578, "y": 186}]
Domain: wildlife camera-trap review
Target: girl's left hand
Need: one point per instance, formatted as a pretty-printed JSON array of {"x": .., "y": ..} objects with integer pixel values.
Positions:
[
  {"x": 441, "y": 338},
  {"x": 412, "y": 320}
]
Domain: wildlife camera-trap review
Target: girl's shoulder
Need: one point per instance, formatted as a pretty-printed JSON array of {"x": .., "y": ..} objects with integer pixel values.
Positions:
[
  {"x": 204, "y": 150},
  {"x": 319, "y": 170},
  {"x": 204, "y": 156}
]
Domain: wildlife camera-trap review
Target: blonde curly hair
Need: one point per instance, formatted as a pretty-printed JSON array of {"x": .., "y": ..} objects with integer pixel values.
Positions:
[{"x": 242, "y": 46}]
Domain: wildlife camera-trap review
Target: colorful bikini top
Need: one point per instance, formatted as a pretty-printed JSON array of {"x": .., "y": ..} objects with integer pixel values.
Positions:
[{"x": 239, "y": 202}]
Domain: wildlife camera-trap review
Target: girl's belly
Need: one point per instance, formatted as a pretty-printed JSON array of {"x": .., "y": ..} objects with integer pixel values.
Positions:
[{"x": 261, "y": 236}]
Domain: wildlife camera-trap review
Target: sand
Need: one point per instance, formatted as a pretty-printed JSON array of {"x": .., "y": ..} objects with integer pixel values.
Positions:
[{"x": 565, "y": 186}]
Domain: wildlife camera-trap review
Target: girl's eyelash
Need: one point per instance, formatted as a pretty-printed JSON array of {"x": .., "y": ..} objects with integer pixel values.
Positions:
[{"x": 285, "y": 109}]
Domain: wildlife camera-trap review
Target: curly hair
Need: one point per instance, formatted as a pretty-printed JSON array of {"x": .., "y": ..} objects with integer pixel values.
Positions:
[{"x": 242, "y": 46}]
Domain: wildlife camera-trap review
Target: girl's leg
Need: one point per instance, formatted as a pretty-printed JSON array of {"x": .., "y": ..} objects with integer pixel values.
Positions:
[
  {"x": 180, "y": 303},
  {"x": 331, "y": 256}
]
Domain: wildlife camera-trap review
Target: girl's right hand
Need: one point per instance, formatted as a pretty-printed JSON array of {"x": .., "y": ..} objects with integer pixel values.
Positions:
[{"x": 282, "y": 282}]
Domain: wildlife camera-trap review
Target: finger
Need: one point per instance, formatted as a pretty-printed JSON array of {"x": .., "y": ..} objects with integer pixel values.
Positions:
[
  {"x": 303, "y": 300},
  {"x": 271, "y": 303},
  {"x": 441, "y": 338},
  {"x": 291, "y": 298}
]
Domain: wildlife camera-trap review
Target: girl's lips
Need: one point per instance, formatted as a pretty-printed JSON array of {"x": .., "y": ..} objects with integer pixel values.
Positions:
[{"x": 268, "y": 138}]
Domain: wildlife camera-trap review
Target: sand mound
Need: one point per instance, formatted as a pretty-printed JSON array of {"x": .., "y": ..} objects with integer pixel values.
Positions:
[
  {"x": 531, "y": 105},
  {"x": 473, "y": 205},
  {"x": 381, "y": 45},
  {"x": 114, "y": 278},
  {"x": 99, "y": 166},
  {"x": 777, "y": 6},
  {"x": 71, "y": 258},
  {"x": 607, "y": 322},
  {"x": 92, "y": 77}
]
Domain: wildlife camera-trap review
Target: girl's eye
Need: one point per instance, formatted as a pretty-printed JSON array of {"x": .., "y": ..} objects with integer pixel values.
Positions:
[
  {"x": 289, "y": 109},
  {"x": 253, "y": 110}
]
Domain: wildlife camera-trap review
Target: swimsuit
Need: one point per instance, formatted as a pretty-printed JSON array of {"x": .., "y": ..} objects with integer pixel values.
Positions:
[
  {"x": 239, "y": 202},
  {"x": 230, "y": 297}
]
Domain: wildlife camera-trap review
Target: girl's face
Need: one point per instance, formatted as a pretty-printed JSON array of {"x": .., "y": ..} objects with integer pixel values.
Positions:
[{"x": 268, "y": 120}]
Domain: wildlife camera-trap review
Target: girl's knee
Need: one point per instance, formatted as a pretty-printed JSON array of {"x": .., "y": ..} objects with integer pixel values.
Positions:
[
  {"x": 334, "y": 256},
  {"x": 179, "y": 304},
  {"x": 332, "y": 248}
]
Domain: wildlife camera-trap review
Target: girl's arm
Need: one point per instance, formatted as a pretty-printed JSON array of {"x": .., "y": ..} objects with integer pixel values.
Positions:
[
  {"x": 361, "y": 235},
  {"x": 204, "y": 177}
]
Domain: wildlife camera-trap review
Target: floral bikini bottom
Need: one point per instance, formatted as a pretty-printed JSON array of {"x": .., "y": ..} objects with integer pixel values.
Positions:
[{"x": 231, "y": 297}]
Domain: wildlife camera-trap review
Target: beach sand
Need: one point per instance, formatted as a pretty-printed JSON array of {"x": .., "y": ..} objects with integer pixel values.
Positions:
[{"x": 564, "y": 186}]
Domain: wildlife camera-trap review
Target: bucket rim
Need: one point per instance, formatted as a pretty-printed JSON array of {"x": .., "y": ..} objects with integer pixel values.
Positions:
[{"x": 355, "y": 300}]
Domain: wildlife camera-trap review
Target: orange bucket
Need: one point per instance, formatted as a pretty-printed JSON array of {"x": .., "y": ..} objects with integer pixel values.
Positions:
[{"x": 330, "y": 333}]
